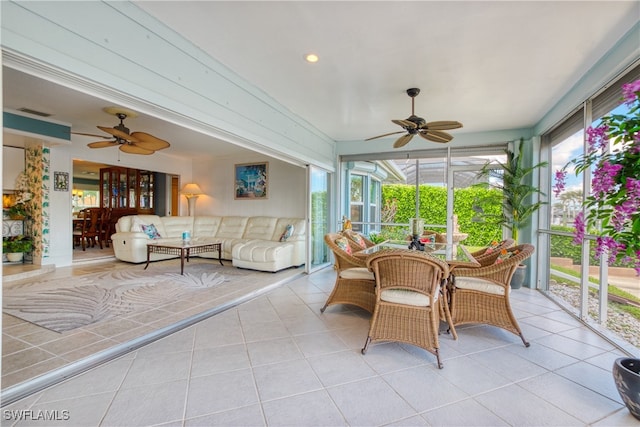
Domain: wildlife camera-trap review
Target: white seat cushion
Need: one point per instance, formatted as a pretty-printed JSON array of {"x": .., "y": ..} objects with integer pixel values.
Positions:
[
  {"x": 481, "y": 285},
  {"x": 357, "y": 273},
  {"x": 406, "y": 297}
]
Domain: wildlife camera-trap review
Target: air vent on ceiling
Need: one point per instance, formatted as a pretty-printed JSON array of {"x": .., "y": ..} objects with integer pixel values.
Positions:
[{"x": 34, "y": 112}]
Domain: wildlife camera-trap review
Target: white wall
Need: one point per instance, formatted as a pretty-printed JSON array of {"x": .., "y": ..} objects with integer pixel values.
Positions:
[
  {"x": 216, "y": 177},
  {"x": 12, "y": 165},
  {"x": 60, "y": 223}
]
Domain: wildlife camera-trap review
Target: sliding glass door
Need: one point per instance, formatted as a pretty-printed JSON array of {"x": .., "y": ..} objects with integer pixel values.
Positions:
[{"x": 319, "y": 217}]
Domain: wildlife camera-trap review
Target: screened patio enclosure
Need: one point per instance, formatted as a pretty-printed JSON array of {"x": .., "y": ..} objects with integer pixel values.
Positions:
[{"x": 384, "y": 192}]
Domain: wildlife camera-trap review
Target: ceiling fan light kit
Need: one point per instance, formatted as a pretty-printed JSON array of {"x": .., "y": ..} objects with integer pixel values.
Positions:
[
  {"x": 414, "y": 125},
  {"x": 128, "y": 142}
]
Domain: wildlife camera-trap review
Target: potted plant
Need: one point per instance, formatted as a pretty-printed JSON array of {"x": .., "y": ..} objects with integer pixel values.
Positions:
[
  {"x": 18, "y": 211},
  {"x": 16, "y": 246},
  {"x": 23, "y": 196},
  {"x": 515, "y": 195}
]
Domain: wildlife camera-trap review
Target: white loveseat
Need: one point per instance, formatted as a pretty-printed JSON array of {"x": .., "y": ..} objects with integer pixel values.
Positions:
[{"x": 249, "y": 242}]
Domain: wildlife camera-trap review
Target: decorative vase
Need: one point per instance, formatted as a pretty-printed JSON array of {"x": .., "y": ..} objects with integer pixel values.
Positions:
[
  {"x": 518, "y": 276},
  {"x": 626, "y": 374},
  {"x": 14, "y": 256}
]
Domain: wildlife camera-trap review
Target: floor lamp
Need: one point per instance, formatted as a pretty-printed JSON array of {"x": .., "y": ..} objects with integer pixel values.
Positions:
[{"x": 191, "y": 192}]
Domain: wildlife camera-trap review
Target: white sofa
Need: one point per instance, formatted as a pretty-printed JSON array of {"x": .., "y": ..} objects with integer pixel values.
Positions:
[{"x": 249, "y": 242}]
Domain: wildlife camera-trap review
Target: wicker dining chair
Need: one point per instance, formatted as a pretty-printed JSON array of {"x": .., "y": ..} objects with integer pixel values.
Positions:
[
  {"x": 355, "y": 284},
  {"x": 481, "y": 295},
  {"x": 439, "y": 237},
  {"x": 484, "y": 253},
  {"x": 408, "y": 299}
]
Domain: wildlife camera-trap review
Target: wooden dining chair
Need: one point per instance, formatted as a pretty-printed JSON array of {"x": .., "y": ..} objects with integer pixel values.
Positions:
[
  {"x": 354, "y": 282},
  {"x": 481, "y": 295},
  {"x": 91, "y": 231},
  {"x": 408, "y": 298},
  {"x": 106, "y": 227}
]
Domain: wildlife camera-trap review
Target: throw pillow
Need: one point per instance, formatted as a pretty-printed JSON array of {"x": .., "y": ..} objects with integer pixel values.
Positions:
[
  {"x": 343, "y": 244},
  {"x": 151, "y": 231},
  {"x": 288, "y": 231},
  {"x": 505, "y": 255},
  {"x": 357, "y": 238},
  {"x": 492, "y": 247}
]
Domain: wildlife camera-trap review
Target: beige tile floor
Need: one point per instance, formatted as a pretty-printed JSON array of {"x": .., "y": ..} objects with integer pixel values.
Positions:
[{"x": 276, "y": 361}]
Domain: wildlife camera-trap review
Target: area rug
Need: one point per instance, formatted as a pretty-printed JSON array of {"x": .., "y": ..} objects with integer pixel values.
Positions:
[{"x": 68, "y": 303}]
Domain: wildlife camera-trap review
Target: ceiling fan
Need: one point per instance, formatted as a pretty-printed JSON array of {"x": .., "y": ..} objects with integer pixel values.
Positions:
[
  {"x": 132, "y": 143},
  {"x": 431, "y": 131}
]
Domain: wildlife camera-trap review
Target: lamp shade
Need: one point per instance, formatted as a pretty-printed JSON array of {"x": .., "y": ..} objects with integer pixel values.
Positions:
[{"x": 191, "y": 190}]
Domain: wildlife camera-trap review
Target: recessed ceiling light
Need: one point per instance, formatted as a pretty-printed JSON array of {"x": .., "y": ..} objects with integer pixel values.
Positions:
[{"x": 311, "y": 57}]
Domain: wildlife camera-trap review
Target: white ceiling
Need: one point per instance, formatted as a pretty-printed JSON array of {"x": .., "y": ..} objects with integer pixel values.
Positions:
[{"x": 490, "y": 65}]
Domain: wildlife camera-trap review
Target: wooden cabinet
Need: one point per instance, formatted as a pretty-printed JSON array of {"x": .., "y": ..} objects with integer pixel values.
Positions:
[{"x": 126, "y": 188}]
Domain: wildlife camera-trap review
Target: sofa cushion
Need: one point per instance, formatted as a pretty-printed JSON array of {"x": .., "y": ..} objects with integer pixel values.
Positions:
[
  {"x": 174, "y": 226},
  {"x": 232, "y": 227},
  {"x": 136, "y": 224},
  {"x": 206, "y": 225},
  {"x": 260, "y": 228}
]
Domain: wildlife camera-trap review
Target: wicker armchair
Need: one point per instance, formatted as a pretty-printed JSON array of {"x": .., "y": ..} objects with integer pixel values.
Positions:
[
  {"x": 355, "y": 284},
  {"x": 439, "y": 237},
  {"x": 407, "y": 299},
  {"x": 481, "y": 255},
  {"x": 481, "y": 295}
]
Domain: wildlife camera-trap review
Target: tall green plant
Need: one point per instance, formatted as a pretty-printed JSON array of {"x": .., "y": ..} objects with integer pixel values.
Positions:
[{"x": 513, "y": 182}]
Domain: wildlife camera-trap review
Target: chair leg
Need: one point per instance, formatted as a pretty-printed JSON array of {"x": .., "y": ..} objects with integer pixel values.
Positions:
[
  {"x": 366, "y": 345},
  {"x": 437, "y": 353},
  {"x": 526, "y": 343}
]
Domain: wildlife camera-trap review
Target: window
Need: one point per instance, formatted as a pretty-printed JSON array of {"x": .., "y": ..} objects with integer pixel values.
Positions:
[{"x": 583, "y": 287}]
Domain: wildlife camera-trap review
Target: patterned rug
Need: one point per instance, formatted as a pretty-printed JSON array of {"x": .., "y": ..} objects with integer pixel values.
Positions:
[{"x": 68, "y": 303}]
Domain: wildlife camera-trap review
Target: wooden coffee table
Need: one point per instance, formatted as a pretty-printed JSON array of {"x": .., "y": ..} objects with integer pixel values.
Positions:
[{"x": 182, "y": 249}]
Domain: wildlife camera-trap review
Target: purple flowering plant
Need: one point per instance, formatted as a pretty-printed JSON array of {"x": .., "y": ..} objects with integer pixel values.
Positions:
[{"x": 613, "y": 207}]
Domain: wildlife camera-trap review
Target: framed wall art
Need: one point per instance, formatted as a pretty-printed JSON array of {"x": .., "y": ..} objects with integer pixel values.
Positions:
[
  {"x": 61, "y": 181},
  {"x": 252, "y": 181}
]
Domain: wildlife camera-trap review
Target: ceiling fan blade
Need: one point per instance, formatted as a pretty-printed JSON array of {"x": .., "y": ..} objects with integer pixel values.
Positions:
[
  {"x": 402, "y": 141},
  {"x": 102, "y": 144},
  {"x": 134, "y": 149},
  {"x": 88, "y": 134},
  {"x": 442, "y": 125},
  {"x": 118, "y": 133},
  {"x": 149, "y": 142},
  {"x": 386, "y": 134},
  {"x": 436, "y": 136},
  {"x": 405, "y": 124}
]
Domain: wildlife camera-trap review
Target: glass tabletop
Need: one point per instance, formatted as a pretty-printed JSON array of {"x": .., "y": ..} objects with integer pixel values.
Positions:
[{"x": 454, "y": 254}]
